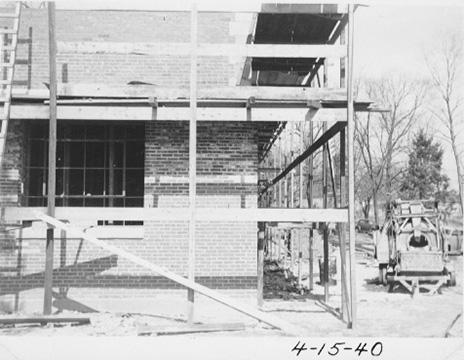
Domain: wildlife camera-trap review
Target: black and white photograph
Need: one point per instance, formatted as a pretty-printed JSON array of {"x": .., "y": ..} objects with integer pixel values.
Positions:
[{"x": 196, "y": 179}]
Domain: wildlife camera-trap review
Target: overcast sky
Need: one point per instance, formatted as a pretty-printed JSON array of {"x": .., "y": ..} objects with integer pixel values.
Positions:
[{"x": 393, "y": 38}]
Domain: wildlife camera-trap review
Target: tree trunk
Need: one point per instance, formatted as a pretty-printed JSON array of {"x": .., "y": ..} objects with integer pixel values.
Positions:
[
  {"x": 376, "y": 214},
  {"x": 456, "y": 157},
  {"x": 366, "y": 207}
]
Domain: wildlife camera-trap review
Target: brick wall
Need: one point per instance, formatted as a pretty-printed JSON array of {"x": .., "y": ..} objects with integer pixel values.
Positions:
[
  {"x": 227, "y": 171},
  {"x": 226, "y": 177},
  {"x": 127, "y": 27},
  {"x": 225, "y": 251}
]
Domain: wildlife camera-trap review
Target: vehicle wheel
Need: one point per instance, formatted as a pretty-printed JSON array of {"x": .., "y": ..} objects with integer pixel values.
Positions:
[
  {"x": 452, "y": 279},
  {"x": 383, "y": 275}
]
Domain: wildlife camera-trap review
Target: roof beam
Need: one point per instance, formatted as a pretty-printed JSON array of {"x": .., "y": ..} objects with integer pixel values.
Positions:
[{"x": 341, "y": 25}]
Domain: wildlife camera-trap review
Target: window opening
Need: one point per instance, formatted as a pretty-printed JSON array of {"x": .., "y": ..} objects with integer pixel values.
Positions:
[{"x": 98, "y": 165}]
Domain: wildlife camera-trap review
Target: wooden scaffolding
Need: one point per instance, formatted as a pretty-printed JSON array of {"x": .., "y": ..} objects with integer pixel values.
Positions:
[{"x": 277, "y": 105}]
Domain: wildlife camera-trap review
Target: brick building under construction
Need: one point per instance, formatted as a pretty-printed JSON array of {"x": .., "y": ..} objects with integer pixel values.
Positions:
[{"x": 163, "y": 119}]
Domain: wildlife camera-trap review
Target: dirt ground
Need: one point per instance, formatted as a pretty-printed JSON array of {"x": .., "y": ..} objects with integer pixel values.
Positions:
[{"x": 379, "y": 313}]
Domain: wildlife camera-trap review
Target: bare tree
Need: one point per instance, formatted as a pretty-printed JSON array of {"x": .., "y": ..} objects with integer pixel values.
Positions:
[
  {"x": 445, "y": 66},
  {"x": 382, "y": 137}
]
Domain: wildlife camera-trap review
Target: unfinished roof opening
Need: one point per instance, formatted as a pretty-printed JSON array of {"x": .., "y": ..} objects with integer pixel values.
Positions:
[{"x": 285, "y": 28}]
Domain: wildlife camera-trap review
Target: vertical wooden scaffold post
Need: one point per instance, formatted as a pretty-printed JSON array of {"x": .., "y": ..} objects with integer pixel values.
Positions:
[
  {"x": 292, "y": 197},
  {"x": 192, "y": 157},
  {"x": 326, "y": 277},
  {"x": 48, "y": 285},
  {"x": 325, "y": 196},
  {"x": 260, "y": 277},
  {"x": 300, "y": 205},
  {"x": 310, "y": 205},
  {"x": 351, "y": 165},
  {"x": 345, "y": 310}
]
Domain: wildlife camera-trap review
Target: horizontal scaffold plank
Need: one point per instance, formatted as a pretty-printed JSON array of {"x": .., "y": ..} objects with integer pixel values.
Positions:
[
  {"x": 228, "y": 92},
  {"x": 74, "y": 214},
  {"x": 297, "y": 6},
  {"x": 147, "y": 113},
  {"x": 183, "y": 49}
]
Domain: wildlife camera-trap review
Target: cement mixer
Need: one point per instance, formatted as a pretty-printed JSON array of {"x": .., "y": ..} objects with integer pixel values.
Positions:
[{"x": 411, "y": 247}]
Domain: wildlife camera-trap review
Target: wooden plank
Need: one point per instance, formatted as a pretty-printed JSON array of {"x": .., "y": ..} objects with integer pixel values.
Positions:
[
  {"x": 48, "y": 285},
  {"x": 334, "y": 130},
  {"x": 225, "y": 300},
  {"x": 43, "y": 320},
  {"x": 300, "y": 193},
  {"x": 326, "y": 276},
  {"x": 351, "y": 198},
  {"x": 192, "y": 157},
  {"x": 78, "y": 214},
  {"x": 282, "y": 8},
  {"x": 229, "y": 92},
  {"x": 335, "y": 35},
  {"x": 183, "y": 49},
  {"x": 190, "y": 329},
  {"x": 260, "y": 263},
  {"x": 345, "y": 311},
  {"x": 209, "y": 6},
  {"x": 134, "y": 113},
  {"x": 448, "y": 331}
]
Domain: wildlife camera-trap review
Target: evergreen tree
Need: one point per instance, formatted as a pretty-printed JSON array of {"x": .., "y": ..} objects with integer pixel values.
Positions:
[{"x": 423, "y": 178}]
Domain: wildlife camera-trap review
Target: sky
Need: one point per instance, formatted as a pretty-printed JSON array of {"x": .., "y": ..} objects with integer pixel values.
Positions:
[
  {"x": 392, "y": 39},
  {"x": 390, "y": 36}
]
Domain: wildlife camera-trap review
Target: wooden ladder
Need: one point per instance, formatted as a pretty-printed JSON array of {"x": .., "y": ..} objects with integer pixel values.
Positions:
[{"x": 7, "y": 51}]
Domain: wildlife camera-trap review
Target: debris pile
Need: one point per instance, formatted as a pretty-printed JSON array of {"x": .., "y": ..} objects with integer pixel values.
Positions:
[{"x": 279, "y": 282}]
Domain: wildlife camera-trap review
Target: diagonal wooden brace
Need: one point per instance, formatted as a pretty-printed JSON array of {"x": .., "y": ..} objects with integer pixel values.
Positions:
[{"x": 252, "y": 312}]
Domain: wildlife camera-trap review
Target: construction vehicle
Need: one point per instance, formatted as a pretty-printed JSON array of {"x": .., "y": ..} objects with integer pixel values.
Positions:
[{"x": 411, "y": 248}]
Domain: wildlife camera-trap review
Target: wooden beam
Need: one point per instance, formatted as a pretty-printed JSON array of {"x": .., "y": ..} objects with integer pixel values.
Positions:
[
  {"x": 281, "y": 168},
  {"x": 48, "y": 284},
  {"x": 310, "y": 205},
  {"x": 345, "y": 308},
  {"x": 190, "y": 329},
  {"x": 351, "y": 198},
  {"x": 135, "y": 113},
  {"x": 326, "y": 276},
  {"x": 274, "y": 164},
  {"x": 92, "y": 90},
  {"x": 223, "y": 7},
  {"x": 252, "y": 312},
  {"x": 282, "y": 8},
  {"x": 332, "y": 40},
  {"x": 260, "y": 263},
  {"x": 228, "y": 92},
  {"x": 228, "y": 50},
  {"x": 92, "y": 214},
  {"x": 334, "y": 130},
  {"x": 43, "y": 320},
  {"x": 300, "y": 202},
  {"x": 192, "y": 158}
]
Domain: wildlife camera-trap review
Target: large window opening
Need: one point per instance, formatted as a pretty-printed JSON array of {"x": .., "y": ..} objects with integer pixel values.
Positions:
[{"x": 97, "y": 164}]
